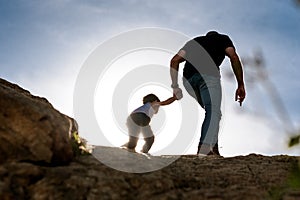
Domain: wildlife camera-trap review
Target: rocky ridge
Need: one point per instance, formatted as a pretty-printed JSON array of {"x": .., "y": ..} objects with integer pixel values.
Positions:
[
  {"x": 37, "y": 161},
  {"x": 189, "y": 177}
]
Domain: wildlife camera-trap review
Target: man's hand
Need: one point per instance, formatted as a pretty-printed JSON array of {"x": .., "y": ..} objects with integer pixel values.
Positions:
[
  {"x": 240, "y": 94},
  {"x": 177, "y": 92}
]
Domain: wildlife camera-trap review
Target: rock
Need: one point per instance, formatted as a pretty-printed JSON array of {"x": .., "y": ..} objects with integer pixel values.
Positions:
[
  {"x": 31, "y": 129},
  {"x": 190, "y": 177},
  {"x": 33, "y": 133}
]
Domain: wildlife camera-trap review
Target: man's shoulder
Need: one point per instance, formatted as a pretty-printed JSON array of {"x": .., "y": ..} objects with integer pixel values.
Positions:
[
  {"x": 199, "y": 38},
  {"x": 196, "y": 40},
  {"x": 224, "y": 36},
  {"x": 205, "y": 38},
  {"x": 226, "y": 41}
]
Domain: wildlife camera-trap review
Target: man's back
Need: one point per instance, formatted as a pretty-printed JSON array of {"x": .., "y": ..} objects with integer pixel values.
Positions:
[{"x": 214, "y": 44}]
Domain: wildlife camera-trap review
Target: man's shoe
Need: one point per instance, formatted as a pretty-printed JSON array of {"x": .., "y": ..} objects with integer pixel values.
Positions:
[
  {"x": 203, "y": 149},
  {"x": 206, "y": 150},
  {"x": 215, "y": 150}
]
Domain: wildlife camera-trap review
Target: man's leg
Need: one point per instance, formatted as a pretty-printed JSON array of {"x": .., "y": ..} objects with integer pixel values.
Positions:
[
  {"x": 193, "y": 86},
  {"x": 200, "y": 88},
  {"x": 211, "y": 96}
]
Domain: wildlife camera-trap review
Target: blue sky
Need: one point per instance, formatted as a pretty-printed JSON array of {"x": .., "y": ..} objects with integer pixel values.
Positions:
[{"x": 43, "y": 44}]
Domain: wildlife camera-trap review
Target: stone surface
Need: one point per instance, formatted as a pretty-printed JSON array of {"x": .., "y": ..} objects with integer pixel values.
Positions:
[
  {"x": 37, "y": 162},
  {"x": 31, "y": 129},
  {"x": 189, "y": 177}
]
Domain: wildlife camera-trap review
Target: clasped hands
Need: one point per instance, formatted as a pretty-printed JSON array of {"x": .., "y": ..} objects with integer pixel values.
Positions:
[{"x": 177, "y": 92}]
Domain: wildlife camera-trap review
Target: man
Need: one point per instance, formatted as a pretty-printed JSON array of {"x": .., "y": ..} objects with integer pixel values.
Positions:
[{"x": 201, "y": 77}]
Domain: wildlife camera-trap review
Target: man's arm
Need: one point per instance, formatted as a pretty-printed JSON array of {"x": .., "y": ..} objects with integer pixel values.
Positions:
[
  {"x": 236, "y": 65},
  {"x": 174, "y": 66}
]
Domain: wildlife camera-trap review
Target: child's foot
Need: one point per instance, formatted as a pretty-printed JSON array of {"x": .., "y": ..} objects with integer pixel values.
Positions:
[
  {"x": 146, "y": 153},
  {"x": 126, "y": 148}
]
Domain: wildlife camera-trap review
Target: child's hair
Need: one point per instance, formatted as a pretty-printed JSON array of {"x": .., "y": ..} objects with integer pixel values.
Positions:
[{"x": 150, "y": 98}]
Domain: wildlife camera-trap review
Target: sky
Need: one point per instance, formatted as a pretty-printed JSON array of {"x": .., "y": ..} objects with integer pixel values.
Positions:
[{"x": 43, "y": 45}]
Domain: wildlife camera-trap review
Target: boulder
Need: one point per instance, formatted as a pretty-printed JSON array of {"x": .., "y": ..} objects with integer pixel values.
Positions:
[{"x": 31, "y": 129}]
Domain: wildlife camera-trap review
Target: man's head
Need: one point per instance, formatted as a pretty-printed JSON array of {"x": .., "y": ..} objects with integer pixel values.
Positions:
[
  {"x": 150, "y": 98},
  {"x": 211, "y": 33}
]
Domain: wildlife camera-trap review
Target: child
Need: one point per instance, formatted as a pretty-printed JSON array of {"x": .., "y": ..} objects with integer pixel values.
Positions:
[{"x": 138, "y": 121}]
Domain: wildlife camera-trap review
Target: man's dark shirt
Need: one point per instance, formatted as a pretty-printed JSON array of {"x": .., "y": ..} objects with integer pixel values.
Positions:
[{"x": 214, "y": 45}]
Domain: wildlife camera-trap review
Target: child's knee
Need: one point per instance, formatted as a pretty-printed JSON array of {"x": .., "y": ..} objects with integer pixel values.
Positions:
[{"x": 149, "y": 140}]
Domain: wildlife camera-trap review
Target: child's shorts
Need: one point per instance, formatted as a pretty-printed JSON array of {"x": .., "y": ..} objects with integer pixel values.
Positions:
[
  {"x": 139, "y": 122},
  {"x": 140, "y": 119}
]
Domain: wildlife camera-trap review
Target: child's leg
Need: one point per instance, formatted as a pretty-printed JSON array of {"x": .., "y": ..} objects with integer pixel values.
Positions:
[
  {"x": 133, "y": 131},
  {"x": 132, "y": 142},
  {"x": 149, "y": 141},
  {"x": 148, "y": 137}
]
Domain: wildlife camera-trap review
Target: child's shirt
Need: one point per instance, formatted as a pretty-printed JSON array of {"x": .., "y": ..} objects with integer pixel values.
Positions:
[{"x": 146, "y": 108}]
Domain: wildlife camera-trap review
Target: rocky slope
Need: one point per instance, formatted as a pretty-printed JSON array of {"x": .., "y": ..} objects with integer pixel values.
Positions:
[
  {"x": 31, "y": 129},
  {"x": 189, "y": 177},
  {"x": 37, "y": 161}
]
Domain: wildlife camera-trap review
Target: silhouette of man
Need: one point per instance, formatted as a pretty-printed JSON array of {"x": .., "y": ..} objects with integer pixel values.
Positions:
[{"x": 201, "y": 78}]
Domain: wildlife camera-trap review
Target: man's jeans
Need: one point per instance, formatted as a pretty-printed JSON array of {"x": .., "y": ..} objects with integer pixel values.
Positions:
[{"x": 207, "y": 91}]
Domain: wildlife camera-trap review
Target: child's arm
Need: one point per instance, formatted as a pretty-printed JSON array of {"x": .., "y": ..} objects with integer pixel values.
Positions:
[{"x": 168, "y": 101}]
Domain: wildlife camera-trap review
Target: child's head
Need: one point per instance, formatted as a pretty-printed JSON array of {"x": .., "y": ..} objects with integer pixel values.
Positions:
[{"x": 150, "y": 98}]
